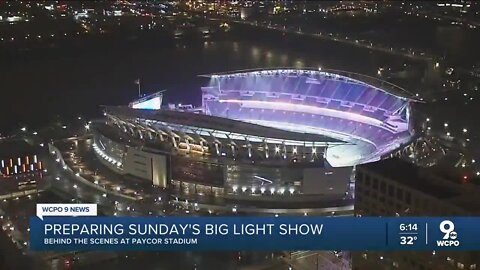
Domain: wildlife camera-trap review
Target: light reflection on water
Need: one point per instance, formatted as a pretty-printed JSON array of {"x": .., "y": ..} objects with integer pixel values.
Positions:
[{"x": 68, "y": 83}]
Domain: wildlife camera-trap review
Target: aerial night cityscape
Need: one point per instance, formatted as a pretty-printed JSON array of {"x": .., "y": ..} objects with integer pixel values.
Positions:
[{"x": 177, "y": 111}]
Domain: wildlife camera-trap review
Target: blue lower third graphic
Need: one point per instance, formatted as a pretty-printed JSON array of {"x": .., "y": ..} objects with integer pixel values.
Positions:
[{"x": 253, "y": 233}]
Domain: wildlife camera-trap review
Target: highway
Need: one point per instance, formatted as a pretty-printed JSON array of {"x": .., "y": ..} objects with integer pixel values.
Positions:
[{"x": 331, "y": 37}]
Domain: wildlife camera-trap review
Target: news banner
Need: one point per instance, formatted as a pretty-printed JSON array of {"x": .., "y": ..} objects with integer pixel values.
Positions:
[{"x": 74, "y": 227}]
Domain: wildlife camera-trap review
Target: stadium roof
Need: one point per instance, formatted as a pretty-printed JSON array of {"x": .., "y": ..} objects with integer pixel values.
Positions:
[
  {"x": 217, "y": 123},
  {"x": 349, "y": 77}
]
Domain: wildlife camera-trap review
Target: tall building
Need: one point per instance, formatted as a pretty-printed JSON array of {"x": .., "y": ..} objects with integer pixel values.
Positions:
[{"x": 394, "y": 187}]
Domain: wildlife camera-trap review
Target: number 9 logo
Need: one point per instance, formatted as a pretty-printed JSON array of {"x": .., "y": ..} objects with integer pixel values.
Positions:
[{"x": 447, "y": 227}]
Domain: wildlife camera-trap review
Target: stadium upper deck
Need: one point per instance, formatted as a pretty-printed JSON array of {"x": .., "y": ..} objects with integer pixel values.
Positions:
[{"x": 370, "y": 113}]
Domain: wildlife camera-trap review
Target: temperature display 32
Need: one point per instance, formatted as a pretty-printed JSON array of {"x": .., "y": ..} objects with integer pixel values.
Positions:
[{"x": 406, "y": 235}]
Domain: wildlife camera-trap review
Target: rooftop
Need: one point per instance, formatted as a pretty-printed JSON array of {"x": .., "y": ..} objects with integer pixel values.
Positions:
[
  {"x": 463, "y": 195},
  {"x": 15, "y": 148},
  {"x": 410, "y": 175}
]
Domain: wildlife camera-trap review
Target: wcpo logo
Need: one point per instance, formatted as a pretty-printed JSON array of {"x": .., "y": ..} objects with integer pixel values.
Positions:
[{"x": 447, "y": 227}]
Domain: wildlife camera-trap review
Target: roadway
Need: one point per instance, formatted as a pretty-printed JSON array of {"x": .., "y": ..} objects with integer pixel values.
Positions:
[{"x": 331, "y": 37}]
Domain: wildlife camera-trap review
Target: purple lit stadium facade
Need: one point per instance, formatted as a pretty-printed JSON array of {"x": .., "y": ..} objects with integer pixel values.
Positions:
[{"x": 370, "y": 116}]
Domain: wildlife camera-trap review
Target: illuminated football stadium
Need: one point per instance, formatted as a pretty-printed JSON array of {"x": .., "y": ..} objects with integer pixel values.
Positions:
[{"x": 261, "y": 130}]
